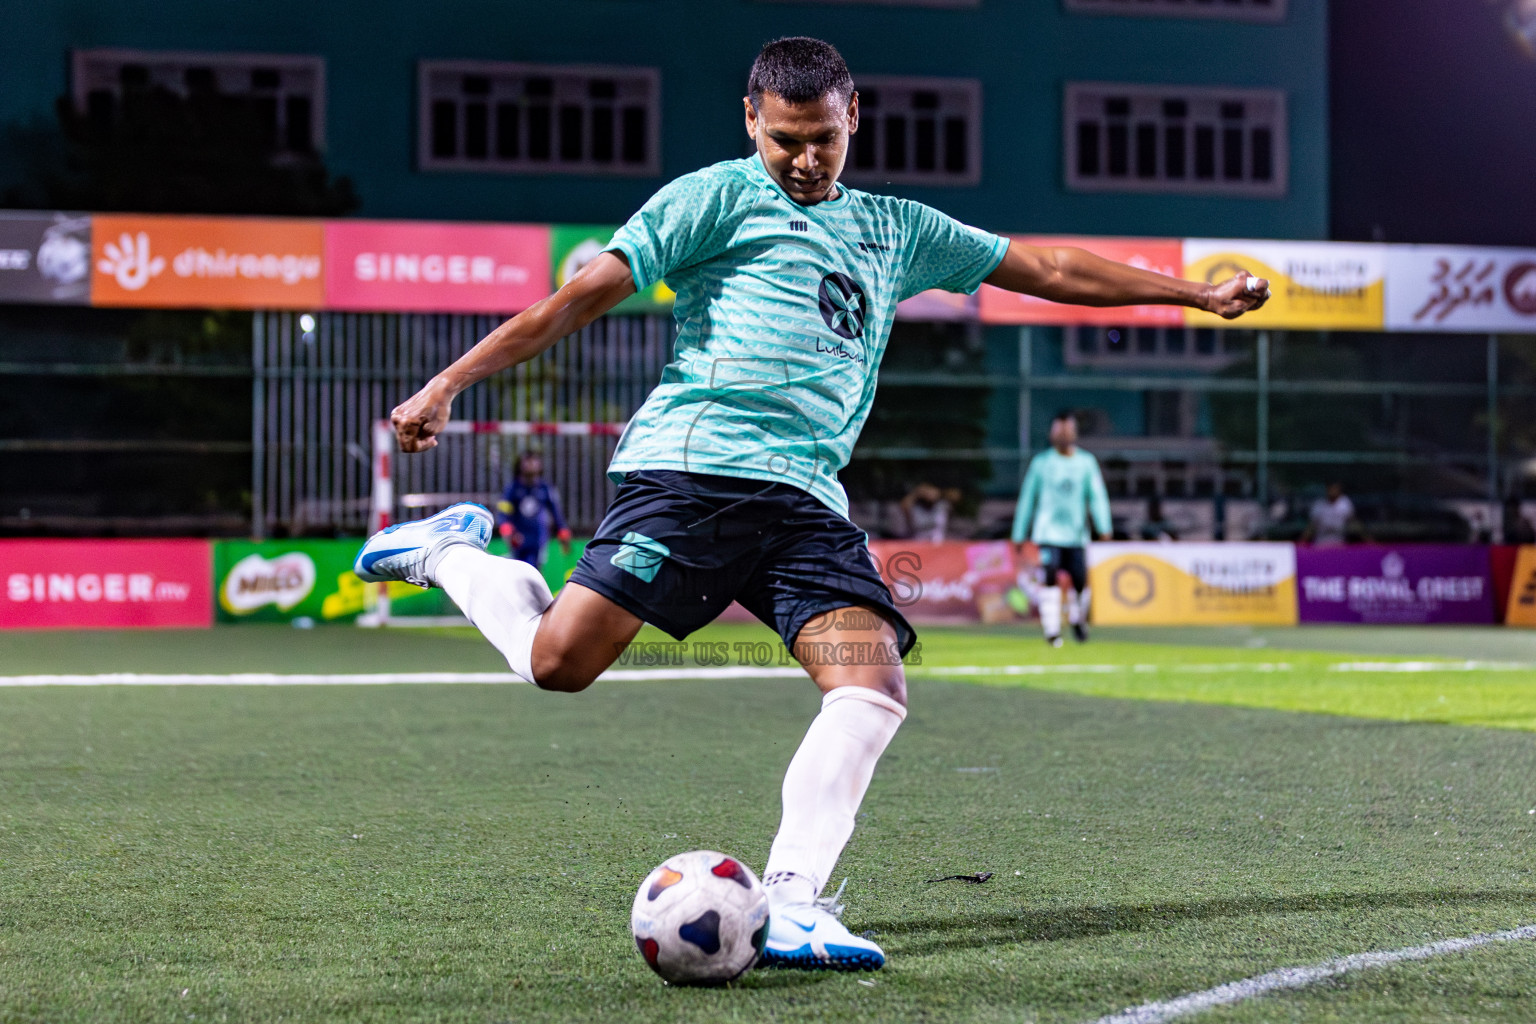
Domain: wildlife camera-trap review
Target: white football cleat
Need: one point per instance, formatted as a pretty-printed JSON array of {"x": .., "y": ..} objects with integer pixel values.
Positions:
[
  {"x": 402, "y": 551},
  {"x": 810, "y": 936}
]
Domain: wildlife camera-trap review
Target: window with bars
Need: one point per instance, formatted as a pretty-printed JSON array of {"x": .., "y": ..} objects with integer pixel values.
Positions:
[
  {"x": 1237, "y": 10},
  {"x": 916, "y": 131},
  {"x": 1142, "y": 138},
  {"x": 285, "y": 93},
  {"x": 545, "y": 119}
]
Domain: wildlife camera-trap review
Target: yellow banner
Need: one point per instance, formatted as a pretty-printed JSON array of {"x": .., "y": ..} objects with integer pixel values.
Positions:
[
  {"x": 1192, "y": 584},
  {"x": 1324, "y": 285},
  {"x": 1521, "y": 610}
]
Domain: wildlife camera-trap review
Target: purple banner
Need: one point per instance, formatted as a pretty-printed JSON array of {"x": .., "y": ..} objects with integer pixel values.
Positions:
[{"x": 1410, "y": 585}]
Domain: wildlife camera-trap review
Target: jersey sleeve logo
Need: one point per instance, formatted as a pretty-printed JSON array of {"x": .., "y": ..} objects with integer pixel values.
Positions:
[{"x": 843, "y": 305}]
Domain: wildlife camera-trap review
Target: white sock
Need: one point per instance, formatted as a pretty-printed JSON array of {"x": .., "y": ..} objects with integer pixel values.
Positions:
[
  {"x": 1084, "y": 599},
  {"x": 503, "y": 597},
  {"x": 1075, "y": 608},
  {"x": 823, "y": 788},
  {"x": 1050, "y": 611}
]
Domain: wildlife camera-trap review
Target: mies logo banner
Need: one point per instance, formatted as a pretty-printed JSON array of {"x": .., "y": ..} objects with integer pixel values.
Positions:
[
  {"x": 438, "y": 268},
  {"x": 45, "y": 258},
  {"x": 207, "y": 263}
]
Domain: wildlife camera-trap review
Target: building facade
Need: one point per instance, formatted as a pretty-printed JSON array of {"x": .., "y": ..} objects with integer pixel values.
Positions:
[{"x": 1152, "y": 117}]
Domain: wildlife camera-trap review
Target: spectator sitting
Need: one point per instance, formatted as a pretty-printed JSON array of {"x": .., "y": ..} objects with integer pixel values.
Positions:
[
  {"x": 926, "y": 511},
  {"x": 1517, "y": 528},
  {"x": 1331, "y": 520},
  {"x": 1156, "y": 527}
]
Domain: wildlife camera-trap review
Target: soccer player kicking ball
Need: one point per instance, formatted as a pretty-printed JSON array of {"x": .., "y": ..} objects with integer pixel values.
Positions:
[
  {"x": 787, "y": 283},
  {"x": 1061, "y": 490}
]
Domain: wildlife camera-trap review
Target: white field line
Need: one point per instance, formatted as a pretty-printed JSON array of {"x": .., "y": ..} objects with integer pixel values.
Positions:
[
  {"x": 622, "y": 675},
  {"x": 1433, "y": 666},
  {"x": 1300, "y": 977}
]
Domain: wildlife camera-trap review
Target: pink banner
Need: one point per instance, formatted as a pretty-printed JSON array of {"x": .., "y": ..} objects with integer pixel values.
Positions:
[
  {"x": 1162, "y": 255},
  {"x": 100, "y": 584},
  {"x": 951, "y": 581},
  {"x": 439, "y": 268}
]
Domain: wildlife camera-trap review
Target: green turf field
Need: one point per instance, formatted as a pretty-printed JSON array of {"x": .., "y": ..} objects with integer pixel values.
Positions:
[{"x": 1163, "y": 812}]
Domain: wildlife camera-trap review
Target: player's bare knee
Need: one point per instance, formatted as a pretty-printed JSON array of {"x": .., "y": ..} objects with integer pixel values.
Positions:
[
  {"x": 562, "y": 677},
  {"x": 559, "y": 670}
]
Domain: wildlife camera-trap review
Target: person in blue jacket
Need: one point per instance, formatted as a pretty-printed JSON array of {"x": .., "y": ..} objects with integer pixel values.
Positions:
[{"x": 527, "y": 509}]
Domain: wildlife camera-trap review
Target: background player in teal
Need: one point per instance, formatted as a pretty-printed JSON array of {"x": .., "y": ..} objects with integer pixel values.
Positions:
[
  {"x": 787, "y": 282},
  {"x": 1062, "y": 506}
]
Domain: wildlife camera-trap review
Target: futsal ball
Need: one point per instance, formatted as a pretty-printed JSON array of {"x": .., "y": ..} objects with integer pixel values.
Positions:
[{"x": 700, "y": 918}]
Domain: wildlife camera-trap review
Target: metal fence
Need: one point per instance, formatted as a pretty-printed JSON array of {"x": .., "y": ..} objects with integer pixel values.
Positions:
[{"x": 321, "y": 380}]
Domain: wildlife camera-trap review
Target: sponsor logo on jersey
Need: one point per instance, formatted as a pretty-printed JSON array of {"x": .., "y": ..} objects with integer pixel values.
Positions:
[
  {"x": 843, "y": 305},
  {"x": 640, "y": 556}
]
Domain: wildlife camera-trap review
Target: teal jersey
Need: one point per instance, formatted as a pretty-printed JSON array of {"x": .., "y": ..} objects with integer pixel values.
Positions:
[
  {"x": 783, "y": 312},
  {"x": 1059, "y": 493}
]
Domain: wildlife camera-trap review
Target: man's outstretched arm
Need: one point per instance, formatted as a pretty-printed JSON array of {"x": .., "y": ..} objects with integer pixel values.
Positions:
[
  {"x": 1077, "y": 276},
  {"x": 593, "y": 291}
]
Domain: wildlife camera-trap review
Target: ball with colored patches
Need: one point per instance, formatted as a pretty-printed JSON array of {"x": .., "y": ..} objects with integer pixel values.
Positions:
[{"x": 700, "y": 918}]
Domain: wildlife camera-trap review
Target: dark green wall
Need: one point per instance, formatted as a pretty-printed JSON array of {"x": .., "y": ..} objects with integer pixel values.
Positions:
[{"x": 1022, "y": 50}]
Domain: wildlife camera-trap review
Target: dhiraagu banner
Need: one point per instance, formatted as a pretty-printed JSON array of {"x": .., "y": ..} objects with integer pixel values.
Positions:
[
  {"x": 1162, "y": 584},
  {"x": 1332, "y": 285},
  {"x": 573, "y": 246},
  {"x": 279, "y": 581}
]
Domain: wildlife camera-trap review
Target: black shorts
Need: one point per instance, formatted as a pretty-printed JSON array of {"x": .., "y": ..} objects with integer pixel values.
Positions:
[
  {"x": 1072, "y": 561},
  {"x": 677, "y": 548}
]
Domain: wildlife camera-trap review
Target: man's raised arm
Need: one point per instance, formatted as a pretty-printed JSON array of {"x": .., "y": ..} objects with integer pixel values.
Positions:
[
  {"x": 591, "y": 292},
  {"x": 1077, "y": 276}
]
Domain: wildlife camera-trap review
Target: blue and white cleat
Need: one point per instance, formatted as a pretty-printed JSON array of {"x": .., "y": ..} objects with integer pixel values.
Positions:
[
  {"x": 810, "y": 936},
  {"x": 403, "y": 551}
]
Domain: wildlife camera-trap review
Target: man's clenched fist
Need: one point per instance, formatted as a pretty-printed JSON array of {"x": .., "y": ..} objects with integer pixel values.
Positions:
[{"x": 419, "y": 419}]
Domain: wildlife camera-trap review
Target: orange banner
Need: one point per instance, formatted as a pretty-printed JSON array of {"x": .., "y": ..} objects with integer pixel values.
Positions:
[
  {"x": 207, "y": 263},
  {"x": 1163, "y": 255},
  {"x": 1521, "y": 610}
]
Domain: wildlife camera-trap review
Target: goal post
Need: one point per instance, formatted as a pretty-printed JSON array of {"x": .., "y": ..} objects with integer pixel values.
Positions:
[{"x": 463, "y": 472}]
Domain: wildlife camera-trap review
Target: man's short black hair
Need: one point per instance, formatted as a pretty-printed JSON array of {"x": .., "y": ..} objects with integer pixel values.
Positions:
[
  {"x": 1064, "y": 414},
  {"x": 799, "y": 69}
]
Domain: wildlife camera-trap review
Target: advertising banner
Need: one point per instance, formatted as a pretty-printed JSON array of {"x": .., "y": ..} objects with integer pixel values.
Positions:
[
  {"x": 45, "y": 258},
  {"x": 1521, "y": 609},
  {"x": 100, "y": 584},
  {"x": 1501, "y": 569},
  {"x": 1332, "y": 285},
  {"x": 206, "y": 263},
  {"x": 1163, "y": 255},
  {"x": 406, "y": 600},
  {"x": 278, "y": 581},
  {"x": 1460, "y": 288},
  {"x": 1157, "y": 584},
  {"x": 935, "y": 304},
  {"x": 951, "y": 581},
  {"x": 573, "y": 246},
  {"x": 1414, "y": 584},
  {"x": 435, "y": 268}
]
